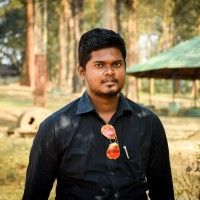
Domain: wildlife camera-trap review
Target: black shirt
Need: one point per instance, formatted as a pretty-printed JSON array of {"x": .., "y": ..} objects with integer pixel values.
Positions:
[{"x": 69, "y": 147}]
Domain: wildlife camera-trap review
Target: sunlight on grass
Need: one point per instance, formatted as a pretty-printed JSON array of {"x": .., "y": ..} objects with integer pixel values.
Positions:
[
  {"x": 14, "y": 153},
  {"x": 13, "y": 162},
  {"x": 14, "y": 101}
]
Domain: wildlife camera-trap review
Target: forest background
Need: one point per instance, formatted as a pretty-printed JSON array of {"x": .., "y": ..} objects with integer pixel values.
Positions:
[{"x": 29, "y": 28}]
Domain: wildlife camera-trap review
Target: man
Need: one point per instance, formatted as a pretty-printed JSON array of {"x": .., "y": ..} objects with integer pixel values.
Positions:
[{"x": 101, "y": 146}]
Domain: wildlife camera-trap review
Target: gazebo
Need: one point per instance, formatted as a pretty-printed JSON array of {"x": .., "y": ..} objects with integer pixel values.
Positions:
[{"x": 179, "y": 62}]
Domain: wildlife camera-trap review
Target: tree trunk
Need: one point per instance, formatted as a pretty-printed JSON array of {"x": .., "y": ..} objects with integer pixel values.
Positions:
[
  {"x": 167, "y": 22},
  {"x": 40, "y": 68},
  {"x": 109, "y": 19},
  {"x": 132, "y": 48},
  {"x": 28, "y": 66},
  {"x": 62, "y": 45},
  {"x": 69, "y": 51},
  {"x": 77, "y": 9},
  {"x": 118, "y": 14},
  {"x": 132, "y": 35},
  {"x": 67, "y": 36},
  {"x": 40, "y": 27}
]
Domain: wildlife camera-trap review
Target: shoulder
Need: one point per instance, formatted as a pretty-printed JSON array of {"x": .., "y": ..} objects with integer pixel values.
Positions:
[
  {"x": 64, "y": 114},
  {"x": 58, "y": 124},
  {"x": 143, "y": 113},
  {"x": 140, "y": 110},
  {"x": 147, "y": 118}
]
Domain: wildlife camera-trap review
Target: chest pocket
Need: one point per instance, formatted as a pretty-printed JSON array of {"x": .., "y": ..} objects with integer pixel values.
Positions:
[{"x": 134, "y": 164}]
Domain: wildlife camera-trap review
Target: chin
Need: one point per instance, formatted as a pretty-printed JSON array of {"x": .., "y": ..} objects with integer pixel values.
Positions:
[{"x": 108, "y": 94}]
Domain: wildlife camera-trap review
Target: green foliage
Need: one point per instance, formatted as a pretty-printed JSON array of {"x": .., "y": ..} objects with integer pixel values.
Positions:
[
  {"x": 14, "y": 153},
  {"x": 186, "y": 19},
  {"x": 161, "y": 86},
  {"x": 149, "y": 16},
  {"x": 12, "y": 33},
  {"x": 92, "y": 14}
]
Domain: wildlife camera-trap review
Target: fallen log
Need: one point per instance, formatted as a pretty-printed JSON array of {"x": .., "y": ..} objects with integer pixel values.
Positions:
[{"x": 29, "y": 121}]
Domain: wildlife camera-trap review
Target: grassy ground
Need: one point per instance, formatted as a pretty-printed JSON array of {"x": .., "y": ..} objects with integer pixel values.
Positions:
[
  {"x": 13, "y": 162},
  {"x": 182, "y": 132}
]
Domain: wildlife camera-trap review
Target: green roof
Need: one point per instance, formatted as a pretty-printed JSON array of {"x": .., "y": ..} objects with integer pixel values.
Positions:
[{"x": 181, "y": 62}]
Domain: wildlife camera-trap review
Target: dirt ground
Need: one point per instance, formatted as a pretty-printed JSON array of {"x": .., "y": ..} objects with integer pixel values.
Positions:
[{"x": 183, "y": 135}]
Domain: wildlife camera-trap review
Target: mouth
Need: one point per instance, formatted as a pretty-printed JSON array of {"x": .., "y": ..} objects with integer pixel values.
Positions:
[{"x": 110, "y": 81}]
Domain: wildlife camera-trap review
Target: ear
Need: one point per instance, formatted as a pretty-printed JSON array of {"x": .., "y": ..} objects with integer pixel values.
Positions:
[{"x": 81, "y": 72}]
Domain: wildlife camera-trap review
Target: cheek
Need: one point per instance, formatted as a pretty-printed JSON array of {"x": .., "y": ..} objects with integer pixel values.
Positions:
[
  {"x": 92, "y": 78},
  {"x": 122, "y": 75}
]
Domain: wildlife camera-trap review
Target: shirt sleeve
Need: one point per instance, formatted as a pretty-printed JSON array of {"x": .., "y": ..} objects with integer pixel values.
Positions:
[
  {"x": 159, "y": 171},
  {"x": 42, "y": 167}
]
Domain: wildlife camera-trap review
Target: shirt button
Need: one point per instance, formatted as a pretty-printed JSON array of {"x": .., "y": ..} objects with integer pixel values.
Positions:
[
  {"x": 98, "y": 198},
  {"x": 111, "y": 173},
  {"x": 116, "y": 195}
]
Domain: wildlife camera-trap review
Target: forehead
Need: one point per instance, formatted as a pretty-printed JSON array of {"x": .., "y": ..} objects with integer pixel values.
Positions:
[{"x": 104, "y": 54}]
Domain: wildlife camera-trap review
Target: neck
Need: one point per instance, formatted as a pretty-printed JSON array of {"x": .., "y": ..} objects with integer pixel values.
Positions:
[{"x": 105, "y": 106}]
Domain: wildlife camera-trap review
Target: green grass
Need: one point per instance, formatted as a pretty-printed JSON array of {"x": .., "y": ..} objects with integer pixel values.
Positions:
[
  {"x": 13, "y": 162},
  {"x": 14, "y": 153},
  {"x": 14, "y": 99},
  {"x": 11, "y": 192}
]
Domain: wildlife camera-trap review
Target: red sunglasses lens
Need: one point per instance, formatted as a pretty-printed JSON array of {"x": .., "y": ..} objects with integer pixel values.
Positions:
[
  {"x": 113, "y": 151},
  {"x": 108, "y": 131}
]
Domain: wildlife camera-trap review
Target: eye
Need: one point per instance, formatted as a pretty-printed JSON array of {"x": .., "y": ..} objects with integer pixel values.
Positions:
[
  {"x": 99, "y": 65},
  {"x": 117, "y": 65}
]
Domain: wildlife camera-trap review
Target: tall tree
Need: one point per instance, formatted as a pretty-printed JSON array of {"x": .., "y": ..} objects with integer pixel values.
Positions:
[
  {"x": 28, "y": 67},
  {"x": 108, "y": 15},
  {"x": 77, "y": 15},
  {"x": 63, "y": 33},
  {"x": 187, "y": 26},
  {"x": 118, "y": 15},
  {"x": 12, "y": 33},
  {"x": 132, "y": 32},
  {"x": 92, "y": 18},
  {"x": 40, "y": 26},
  {"x": 132, "y": 44},
  {"x": 53, "y": 56},
  {"x": 125, "y": 12},
  {"x": 166, "y": 37}
]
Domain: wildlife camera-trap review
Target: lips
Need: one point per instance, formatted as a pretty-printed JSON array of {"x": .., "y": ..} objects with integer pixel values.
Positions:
[{"x": 110, "y": 81}]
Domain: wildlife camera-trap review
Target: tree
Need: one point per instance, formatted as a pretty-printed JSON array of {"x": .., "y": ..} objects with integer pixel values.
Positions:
[
  {"x": 77, "y": 29},
  {"x": 91, "y": 17},
  {"x": 28, "y": 67},
  {"x": 53, "y": 55},
  {"x": 63, "y": 33},
  {"x": 108, "y": 15},
  {"x": 12, "y": 33},
  {"x": 166, "y": 37},
  {"x": 187, "y": 26},
  {"x": 132, "y": 43}
]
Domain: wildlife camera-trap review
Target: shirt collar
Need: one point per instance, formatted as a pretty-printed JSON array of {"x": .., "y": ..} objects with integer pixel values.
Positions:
[
  {"x": 86, "y": 106},
  {"x": 123, "y": 104}
]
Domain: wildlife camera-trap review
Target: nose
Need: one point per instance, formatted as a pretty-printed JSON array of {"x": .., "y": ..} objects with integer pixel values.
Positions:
[{"x": 109, "y": 70}]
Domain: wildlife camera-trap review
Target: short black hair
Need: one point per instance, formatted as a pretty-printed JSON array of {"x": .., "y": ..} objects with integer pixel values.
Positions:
[{"x": 99, "y": 38}]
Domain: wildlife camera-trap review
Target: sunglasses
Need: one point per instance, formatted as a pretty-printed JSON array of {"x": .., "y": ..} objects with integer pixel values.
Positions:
[{"x": 113, "y": 151}]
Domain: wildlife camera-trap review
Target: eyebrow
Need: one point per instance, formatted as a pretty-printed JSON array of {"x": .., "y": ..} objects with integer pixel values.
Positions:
[
  {"x": 100, "y": 61},
  {"x": 118, "y": 61}
]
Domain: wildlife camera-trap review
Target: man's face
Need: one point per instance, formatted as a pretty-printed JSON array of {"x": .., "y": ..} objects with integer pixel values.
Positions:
[{"x": 104, "y": 73}]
